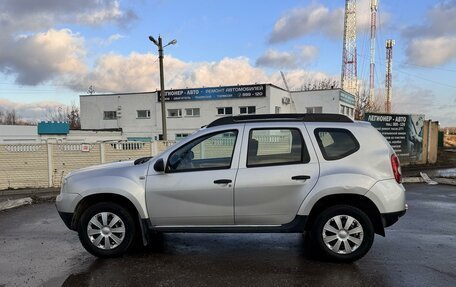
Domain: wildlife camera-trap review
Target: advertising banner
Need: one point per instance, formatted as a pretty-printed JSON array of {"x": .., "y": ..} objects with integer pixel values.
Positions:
[
  {"x": 403, "y": 132},
  {"x": 215, "y": 93}
]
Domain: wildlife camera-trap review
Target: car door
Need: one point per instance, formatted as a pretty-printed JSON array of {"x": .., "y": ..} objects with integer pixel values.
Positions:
[
  {"x": 278, "y": 167},
  {"x": 198, "y": 183}
]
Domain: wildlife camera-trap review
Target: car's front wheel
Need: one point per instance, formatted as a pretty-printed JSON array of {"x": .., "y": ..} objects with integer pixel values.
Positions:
[
  {"x": 343, "y": 233},
  {"x": 106, "y": 229}
]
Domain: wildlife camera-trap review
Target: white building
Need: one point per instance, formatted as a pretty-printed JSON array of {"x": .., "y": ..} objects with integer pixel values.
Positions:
[{"x": 139, "y": 114}]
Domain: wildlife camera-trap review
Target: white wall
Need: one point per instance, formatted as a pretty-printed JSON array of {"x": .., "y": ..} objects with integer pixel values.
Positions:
[
  {"x": 14, "y": 133},
  {"x": 329, "y": 100},
  {"x": 276, "y": 95},
  {"x": 93, "y": 106}
]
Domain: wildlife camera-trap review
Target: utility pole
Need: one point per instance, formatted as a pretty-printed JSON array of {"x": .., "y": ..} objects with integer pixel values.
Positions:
[
  {"x": 373, "y": 27},
  {"x": 160, "y": 46},
  {"x": 349, "y": 80},
  {"x": 389, "y": 74}
]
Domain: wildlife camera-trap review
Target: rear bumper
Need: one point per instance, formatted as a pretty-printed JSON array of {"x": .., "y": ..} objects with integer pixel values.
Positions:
[{"x": 389, "y": 219}]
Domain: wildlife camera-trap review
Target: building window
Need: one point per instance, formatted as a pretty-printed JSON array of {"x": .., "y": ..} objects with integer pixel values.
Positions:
[
  {"x": 314, "y": 110},
  {"x": 247, "y": 110},
  {"x": 277, "y": 110},
  {"x": 225, "y": 111},
  {"x": 109, "y": 115},
  {"x": 174, "y": 113},
  {"x": 179, "y": 137},
  {"x": 344, "y": 110},
  {"x": 143, "y": 114},
  {"x": 193, "y": 112}
]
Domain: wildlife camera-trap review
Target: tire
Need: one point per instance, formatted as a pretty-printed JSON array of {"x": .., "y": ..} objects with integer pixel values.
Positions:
[
  {"x": 331, "y": 240},
  {"x": 107, "y": 229}
]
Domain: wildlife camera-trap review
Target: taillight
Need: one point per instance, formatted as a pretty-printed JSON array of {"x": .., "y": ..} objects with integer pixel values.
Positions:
[{"x": 396, "y": 165}]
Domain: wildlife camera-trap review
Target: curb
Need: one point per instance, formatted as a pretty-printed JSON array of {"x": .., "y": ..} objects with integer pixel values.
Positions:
[
  {"x": 15, "y": 203},
  {"x": 444, "y": 180},
  {"x": 28, "y": 191},
  {"x": 412, "y": 179},
  {"x": 440, "y": 180}
]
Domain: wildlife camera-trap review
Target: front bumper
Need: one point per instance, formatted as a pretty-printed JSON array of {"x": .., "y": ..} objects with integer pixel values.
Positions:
[
  {"x": 67, "y": 218},
  {"x": 66, "y": 204},
  {"x": 389, "y": 219}
]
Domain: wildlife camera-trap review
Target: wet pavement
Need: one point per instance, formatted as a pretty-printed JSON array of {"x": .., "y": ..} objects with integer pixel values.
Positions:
[{"x": 420, "y": 250}]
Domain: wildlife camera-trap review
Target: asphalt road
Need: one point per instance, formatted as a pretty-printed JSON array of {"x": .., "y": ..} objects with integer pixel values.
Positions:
[{"x": 420, "y": 250}]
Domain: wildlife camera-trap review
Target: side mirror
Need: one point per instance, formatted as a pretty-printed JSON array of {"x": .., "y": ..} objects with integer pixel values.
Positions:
[{"x": 159, "y": 165}]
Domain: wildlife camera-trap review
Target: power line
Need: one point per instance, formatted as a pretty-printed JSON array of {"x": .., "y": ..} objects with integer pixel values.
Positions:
[
  {"x": 414, "y": 75},
  {"x": 425, "y": 67}
]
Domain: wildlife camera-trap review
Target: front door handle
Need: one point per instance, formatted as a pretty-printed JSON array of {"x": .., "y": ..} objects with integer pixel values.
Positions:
[
  {"x": 300, "y": 177},
  {"x": 222, "y": 181}
]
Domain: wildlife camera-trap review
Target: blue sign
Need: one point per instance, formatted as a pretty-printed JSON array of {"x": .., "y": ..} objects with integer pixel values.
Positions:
[
  {"x": 53, "y": 128},
  {"x": 215, "y": 93},
  {"x": 347, "y": 98}
]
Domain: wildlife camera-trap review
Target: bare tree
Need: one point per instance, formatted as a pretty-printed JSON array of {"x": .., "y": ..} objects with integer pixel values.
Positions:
[
  {"x": 69, "y": 114},
  {"x": 322, "y": 84},
  {"x": 2, "y": 117},
  {"x": 74, "y": 117},
  {"x": 363, "y": 105},
  {"x": 11, "y": 118}
]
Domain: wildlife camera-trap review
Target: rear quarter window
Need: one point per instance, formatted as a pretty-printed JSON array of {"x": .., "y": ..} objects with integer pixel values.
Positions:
[{"x": 336, "y": 143}]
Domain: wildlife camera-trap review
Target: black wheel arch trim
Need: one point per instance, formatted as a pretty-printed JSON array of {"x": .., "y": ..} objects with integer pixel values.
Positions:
[{"x": 356, "y": 200}]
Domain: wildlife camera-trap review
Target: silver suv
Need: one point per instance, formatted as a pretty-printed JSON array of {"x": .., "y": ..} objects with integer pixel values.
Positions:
[{"x": 324, "y": 174}]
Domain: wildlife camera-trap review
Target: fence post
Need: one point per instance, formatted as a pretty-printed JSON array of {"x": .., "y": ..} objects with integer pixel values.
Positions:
[
  {"x": 425, "y": 142},
  {"x": 153, "y": 148},
  {"x": 50, "y": 164},
  {"x": 433, "y": 141},
  {"x": 102, "y": 153}
]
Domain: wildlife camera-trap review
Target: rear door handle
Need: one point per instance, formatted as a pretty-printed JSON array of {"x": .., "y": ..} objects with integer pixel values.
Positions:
[
  {"x": 222, "y": 181},
  {"x": 300, "y": 177}
]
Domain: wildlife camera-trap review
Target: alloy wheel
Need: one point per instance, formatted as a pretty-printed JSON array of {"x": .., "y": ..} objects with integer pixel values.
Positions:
[{"x": 343, "y": 234}]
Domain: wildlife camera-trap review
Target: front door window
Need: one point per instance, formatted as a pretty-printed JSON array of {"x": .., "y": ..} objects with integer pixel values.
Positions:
[{"x": 212, "y": 151}]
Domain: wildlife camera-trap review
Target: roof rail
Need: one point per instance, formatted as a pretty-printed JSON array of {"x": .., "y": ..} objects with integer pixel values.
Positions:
[{"x": 281, "y": 118}]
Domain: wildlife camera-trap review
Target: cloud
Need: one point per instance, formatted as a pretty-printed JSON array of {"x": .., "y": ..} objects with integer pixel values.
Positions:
[
  {"x": 32, "y": 15},
  {"x": 34, "y": 52},
  {"x": 139, "y": 72},
  {"x": 434, "y": 43},
  {"x": 303, "y": 21},
  {"x": 319, "y": 19},
  {"x": 31, "y": 112},
  {"x": 432, "y": 51},
  {"x": 108, "y": 41},
  {"x": 41, "y": 57},
  {"x": 287, "y": 60},
  {"x": 423, "y": 101}
]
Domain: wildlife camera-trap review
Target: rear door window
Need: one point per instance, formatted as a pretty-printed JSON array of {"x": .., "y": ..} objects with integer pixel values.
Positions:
[
  {"x": 336, "y": 143},
  {"x": 279, "y": 146}
]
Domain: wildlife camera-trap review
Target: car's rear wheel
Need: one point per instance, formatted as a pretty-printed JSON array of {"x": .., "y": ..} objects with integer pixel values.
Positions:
[
  {"x": 343, "y": 233},
  {"x": 106, "y": 229}
]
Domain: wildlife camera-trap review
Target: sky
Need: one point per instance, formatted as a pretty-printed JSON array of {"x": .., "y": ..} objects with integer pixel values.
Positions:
[{"x": 51, "y": 51}]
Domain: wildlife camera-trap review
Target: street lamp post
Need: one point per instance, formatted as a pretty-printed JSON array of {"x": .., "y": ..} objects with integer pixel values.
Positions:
[{"x": 160, "y": 46}]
